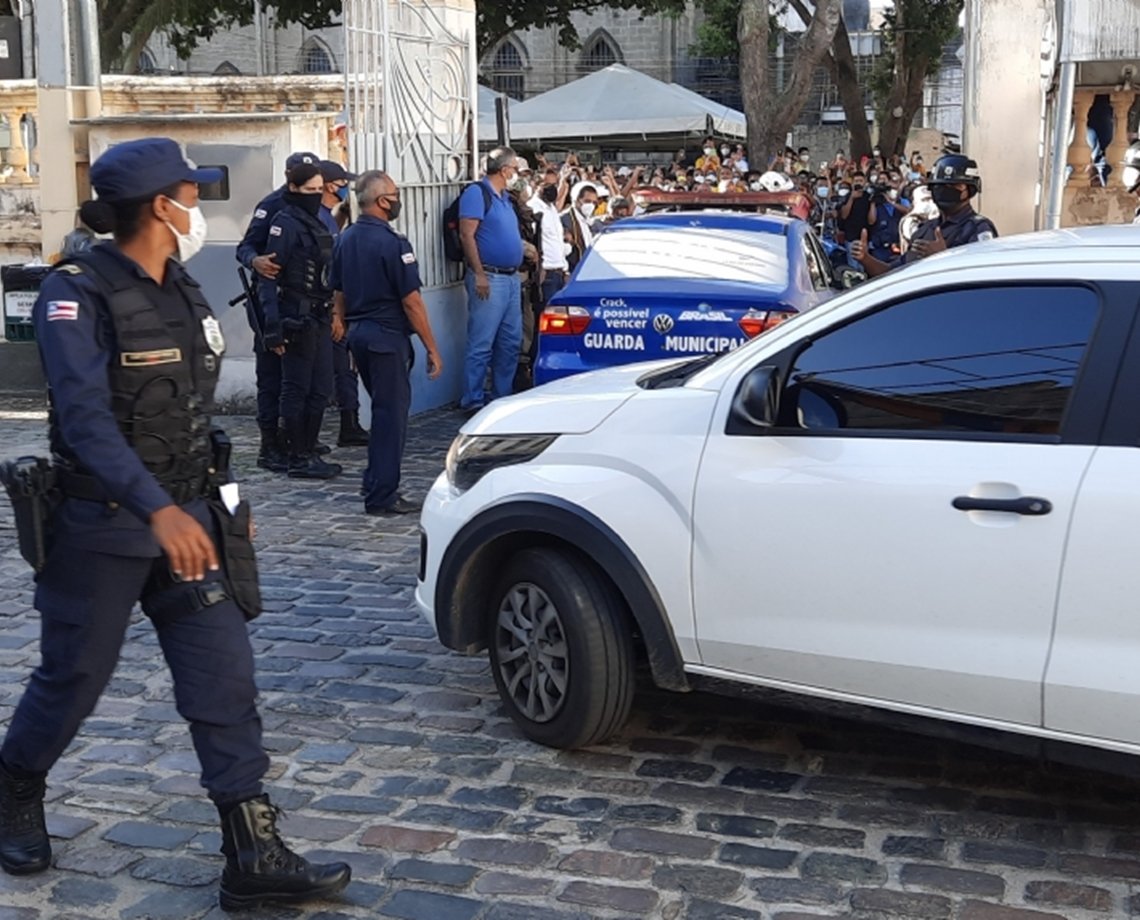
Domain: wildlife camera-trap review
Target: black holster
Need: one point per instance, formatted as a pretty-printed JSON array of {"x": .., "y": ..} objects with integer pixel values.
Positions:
[
  {"x": 238, "y": 558},
  {"x": 33, "y": 489}
]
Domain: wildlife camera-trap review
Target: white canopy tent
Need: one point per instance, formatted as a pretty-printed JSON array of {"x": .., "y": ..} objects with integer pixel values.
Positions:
[
  {"x": 486, "y": 104},
  {"x": 618, "y": 101}
]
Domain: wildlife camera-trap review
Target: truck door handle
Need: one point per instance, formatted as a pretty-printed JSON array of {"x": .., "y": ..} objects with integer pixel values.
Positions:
[{"x": 1026, "y": 505}]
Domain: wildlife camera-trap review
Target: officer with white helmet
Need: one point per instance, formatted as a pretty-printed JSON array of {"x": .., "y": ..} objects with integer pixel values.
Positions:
[{"x": 1131, "y": 173}]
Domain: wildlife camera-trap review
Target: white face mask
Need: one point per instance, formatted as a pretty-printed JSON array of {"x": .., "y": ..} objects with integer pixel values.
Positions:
[
  {"x": 587, "y": 209},
  {"x": 724, "y": 151},
  {"x": 189, "y": 244},
  {"x": 804, "y": 157},
  {"x": 756, "y": 186},
  {"x": 709, "y": 151},
  {"x": 821, "y": 191}
]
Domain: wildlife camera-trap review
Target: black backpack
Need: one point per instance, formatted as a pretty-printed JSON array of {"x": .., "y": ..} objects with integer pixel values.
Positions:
[{"x": 452, "y": 245}]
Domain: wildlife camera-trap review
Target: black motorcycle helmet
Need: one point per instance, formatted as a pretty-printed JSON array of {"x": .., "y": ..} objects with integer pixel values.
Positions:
[{"x": 956, "y": 169}]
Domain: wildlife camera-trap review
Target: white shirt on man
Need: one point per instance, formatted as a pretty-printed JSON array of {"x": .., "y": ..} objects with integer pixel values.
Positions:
[{"x": 553, "y": 252}]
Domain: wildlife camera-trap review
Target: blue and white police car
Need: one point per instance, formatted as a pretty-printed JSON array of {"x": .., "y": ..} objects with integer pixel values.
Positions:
[{"x": 669, "y": 285}]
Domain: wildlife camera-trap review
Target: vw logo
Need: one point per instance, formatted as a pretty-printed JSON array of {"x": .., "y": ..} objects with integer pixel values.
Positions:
[{"x": 662, "y": 323}]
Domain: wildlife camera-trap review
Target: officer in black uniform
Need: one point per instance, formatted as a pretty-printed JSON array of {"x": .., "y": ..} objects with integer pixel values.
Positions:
[
  {"x": 296, "y": 305},
  {"x": 953, "y": 182},
  {"x": 132, "y": 351},
  {"x": 251, "y": 252},
  {"x": 377, "y": 283}
]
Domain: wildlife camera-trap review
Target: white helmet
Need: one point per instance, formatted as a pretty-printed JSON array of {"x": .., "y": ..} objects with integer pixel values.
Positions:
[
  {"x": 1131, "y": 174},
  {"x": 773, "y": 181}
]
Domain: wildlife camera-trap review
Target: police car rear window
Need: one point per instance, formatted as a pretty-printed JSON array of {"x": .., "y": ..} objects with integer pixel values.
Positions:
[{"x": 688, "y": 252}]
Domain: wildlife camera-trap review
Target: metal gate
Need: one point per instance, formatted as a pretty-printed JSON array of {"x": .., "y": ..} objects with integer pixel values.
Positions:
[{"x": 410, "y": 100}]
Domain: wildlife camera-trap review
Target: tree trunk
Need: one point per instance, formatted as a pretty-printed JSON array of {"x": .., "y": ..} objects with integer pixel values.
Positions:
[
  {"x": 905, "y": 99},
  {"x": 771, "y": 116},
  {"x": 845, "y": 75}
]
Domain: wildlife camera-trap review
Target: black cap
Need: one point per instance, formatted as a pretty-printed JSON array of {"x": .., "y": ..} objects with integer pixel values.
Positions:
[
  {"x": 301, "y": 158},
  {"x": 332, "y": 171},
  {"x": 135, "y": 169}
]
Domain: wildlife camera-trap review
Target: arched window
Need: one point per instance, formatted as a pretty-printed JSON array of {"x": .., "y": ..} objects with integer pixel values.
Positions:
[
  {"x": 316, "y": 58},
  {"x": 599, "y": 52},
  {"x": 508, "y": 70},
  {"x": 226, "y": 69},
  {"x": 146, "y": 63}
]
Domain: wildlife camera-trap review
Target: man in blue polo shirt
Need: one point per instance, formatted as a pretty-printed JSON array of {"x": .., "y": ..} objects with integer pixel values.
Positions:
[
  {"x": 376, "y": 281},
  {"x": 493, "y": 249}
]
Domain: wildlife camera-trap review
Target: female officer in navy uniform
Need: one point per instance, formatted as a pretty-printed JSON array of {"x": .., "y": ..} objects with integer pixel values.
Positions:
[
  {"x": 297, "y": 305},
  {"x": 131, "y": 351}
]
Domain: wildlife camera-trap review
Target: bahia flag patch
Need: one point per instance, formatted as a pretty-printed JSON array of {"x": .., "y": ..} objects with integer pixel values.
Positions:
[{"x": 62, "y": 309}]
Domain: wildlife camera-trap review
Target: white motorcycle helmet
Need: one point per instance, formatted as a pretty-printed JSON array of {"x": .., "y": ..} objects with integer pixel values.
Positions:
[
  {"x": 1131, "y": 174},
  {"x": 773, "y": 181}
]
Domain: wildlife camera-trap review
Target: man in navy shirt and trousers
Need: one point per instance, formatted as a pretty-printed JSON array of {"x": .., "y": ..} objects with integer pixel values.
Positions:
[
  {"x": 377, "y": 283},
  {"x": 493, "y": 249}
]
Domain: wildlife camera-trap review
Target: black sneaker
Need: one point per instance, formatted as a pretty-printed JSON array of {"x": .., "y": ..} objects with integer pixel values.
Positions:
[{"x": 399, "y": 507}]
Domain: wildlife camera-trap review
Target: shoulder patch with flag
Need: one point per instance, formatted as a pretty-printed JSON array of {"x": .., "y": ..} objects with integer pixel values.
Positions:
[
  {"x": 62, "y": 309},
  {"x": 260, "y": 212},
  {"x": 275, "y": 230},
  {"x": 408, "y": 257}
]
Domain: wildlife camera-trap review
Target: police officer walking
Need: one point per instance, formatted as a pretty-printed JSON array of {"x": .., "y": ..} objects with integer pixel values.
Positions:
[
  {"x": 251, "y": 252},
  {"x": 296, "y": 306},
  {"x": 377, "y": 284},
  {"x": 132, "y": 353},
  {"x": 953, "y": 182}
]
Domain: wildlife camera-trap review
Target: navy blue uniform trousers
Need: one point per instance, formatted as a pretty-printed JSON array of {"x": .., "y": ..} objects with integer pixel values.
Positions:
[
  {"x": 307, "y": 371},
  {"x": 85, "y": 600},
  {"x": 268, "y": 367},
  {"x": 384, "y": 361}
]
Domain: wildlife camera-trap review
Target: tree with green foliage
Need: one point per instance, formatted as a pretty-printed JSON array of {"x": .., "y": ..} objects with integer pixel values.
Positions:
[
  {"x": 773, "y": 112},
  {"x": 127, "y": 25},
  {"x": 914, "y": 34}
]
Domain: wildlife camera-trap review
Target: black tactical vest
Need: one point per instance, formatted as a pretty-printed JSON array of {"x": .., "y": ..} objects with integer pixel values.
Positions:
[
  {"x": 304, "y": 282},
  {"x": 162, "y": 374}
]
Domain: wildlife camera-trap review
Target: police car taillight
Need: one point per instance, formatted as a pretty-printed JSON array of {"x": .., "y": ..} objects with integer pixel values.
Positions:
[
  {"x": 757, "y": 321},
  {"x": 563, "y": 321}
]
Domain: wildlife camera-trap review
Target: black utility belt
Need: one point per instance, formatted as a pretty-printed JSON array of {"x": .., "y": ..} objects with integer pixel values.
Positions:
[
  {"x": 89, "y": 489},
  {"x": 305, "y": 306},
  {"x": 495, "y": 270}
]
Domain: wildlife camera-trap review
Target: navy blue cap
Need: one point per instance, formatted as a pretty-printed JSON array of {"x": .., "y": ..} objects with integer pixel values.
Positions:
[
  {"x": 135, "y": 169},
  {"x": 332, "y": 171},
  {"x": 302, "y": 158}
]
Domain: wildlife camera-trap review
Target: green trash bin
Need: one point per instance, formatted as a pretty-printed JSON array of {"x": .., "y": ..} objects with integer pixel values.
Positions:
[{"x": 21, "y": 285}]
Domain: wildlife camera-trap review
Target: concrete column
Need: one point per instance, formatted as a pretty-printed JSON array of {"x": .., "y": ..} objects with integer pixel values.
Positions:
[
  {"x": 1003, "y": 87},
  {"x": 58, "y": 198}
]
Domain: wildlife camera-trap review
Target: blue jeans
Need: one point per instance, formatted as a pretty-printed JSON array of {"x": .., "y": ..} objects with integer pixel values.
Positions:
[{"x": 494, "y": 337}]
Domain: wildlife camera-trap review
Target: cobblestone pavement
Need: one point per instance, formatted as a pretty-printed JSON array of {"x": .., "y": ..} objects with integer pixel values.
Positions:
[{"x": 394, "y": 754}]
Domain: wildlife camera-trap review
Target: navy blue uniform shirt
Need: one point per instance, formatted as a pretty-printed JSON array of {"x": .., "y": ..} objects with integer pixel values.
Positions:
[
  {"x": 76, "y": 342},
  {"x": 497, "y": 238},
  {"x": 966, "y": 227},
  {"x": 375, "y": 268},
  {"x": 288, "y": 238},
  {"x": 257, "y": 233}
]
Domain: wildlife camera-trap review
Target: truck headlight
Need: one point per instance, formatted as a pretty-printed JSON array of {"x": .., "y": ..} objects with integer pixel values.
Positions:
[{"x": 471, "y": 457}]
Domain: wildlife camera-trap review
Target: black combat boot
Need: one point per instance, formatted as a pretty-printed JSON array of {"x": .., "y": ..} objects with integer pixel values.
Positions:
[
  {"x": 24, "y": 844},
  {"x": 351, "y": 434},
  {"x": 261, "y": 869},
  {"x": 304, "y": 462},
  {"x": 271, "y": 456}
]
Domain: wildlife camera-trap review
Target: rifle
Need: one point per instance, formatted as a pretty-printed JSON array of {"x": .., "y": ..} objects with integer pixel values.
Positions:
[{"x": 249, "y": 298}]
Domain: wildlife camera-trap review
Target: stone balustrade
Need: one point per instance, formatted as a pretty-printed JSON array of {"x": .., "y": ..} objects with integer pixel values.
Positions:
[
  {"x": 1086, "y": 200},
  {"x": 17, "y": 101}
]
